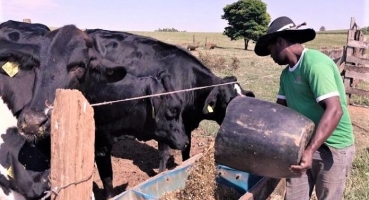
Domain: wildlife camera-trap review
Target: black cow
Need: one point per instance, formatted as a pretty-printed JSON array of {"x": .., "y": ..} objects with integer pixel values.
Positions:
[
  {"x": 144, "y": 56},
  {"x": 24, "y": 170},
  {"x": 68, "y": 60},
  {"x": 22, "y": 32}
]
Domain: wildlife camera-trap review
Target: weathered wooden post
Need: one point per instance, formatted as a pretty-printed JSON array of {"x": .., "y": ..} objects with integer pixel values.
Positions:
[
  {"x": 72, "y": 146},
  {"x": 353, "y": 65}
]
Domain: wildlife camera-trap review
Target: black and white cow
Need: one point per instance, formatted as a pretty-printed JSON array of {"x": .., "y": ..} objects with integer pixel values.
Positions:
[
  {"x": 24, "y": 171},
  {"x": 68, "y": 60},
  {"x": 19, "y": 49},
  {"x": 19, "y": 43}
]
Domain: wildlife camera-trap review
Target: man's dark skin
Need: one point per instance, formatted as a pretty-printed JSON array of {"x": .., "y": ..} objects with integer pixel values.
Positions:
[{"x": 285, "y": 52}]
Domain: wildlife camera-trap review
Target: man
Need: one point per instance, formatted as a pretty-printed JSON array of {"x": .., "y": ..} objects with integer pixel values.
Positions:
[{"x": 311, "y": 84}]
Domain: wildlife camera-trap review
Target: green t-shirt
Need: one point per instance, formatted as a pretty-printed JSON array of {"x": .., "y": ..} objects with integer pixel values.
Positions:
[{"x": 315, "y": 77}]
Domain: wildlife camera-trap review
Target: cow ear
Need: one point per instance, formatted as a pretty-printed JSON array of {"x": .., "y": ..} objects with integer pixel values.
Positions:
[
  {"x": 153, "y": 88},
  {"x": 21, "y": 55},
  {"x": 115, "y": 73},
  {"x": 210, "y": 101},
  {"x": 248, "y": 93},
  {"x": 242, "y": 92},
  {"x": 166, "y": 80},
  {"x": 110, "y": 70}
]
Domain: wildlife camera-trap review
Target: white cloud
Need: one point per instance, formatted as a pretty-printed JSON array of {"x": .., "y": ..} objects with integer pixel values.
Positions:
[{"x": 20, "y": 9}]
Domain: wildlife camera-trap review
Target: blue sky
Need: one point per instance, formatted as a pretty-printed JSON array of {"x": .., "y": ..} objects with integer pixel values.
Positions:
[{"x": 189, "y": 15}]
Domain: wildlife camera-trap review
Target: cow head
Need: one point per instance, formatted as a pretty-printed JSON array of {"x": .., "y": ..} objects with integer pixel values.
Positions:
[
  {"x": 19, "y": 52},
  {"x": 66, "y": 55},
  {"x": 217, "y": 101},
  {"x": 17, "y": 63},
  {"x": 169, "y": 127}
]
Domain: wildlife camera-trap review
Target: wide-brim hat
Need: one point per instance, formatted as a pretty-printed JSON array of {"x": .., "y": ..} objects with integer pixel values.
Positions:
[{"x": 285, "y": 27}]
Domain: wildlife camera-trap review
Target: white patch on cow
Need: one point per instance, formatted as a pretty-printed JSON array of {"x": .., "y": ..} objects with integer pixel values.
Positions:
[
  {"x": 7, "y": 118},
  {"x": 11, "y": 196},
  {"x": 4, "y": 172},
  {"x": 46, "y": 111},
  {"x": 238, "y": 89}
]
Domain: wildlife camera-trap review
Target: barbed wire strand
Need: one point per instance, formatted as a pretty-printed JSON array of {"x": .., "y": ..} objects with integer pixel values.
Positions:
[
  {"x": 177, "y": 91},
  {"x": 56, "y": 190}
]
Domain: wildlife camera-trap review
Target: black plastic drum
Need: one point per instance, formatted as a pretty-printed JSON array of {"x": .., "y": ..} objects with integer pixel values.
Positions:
[{"x": 262, "y": 138}]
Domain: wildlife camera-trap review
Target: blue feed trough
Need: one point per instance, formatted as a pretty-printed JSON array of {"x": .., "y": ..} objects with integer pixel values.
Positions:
[{"x": 157, "y": 186}]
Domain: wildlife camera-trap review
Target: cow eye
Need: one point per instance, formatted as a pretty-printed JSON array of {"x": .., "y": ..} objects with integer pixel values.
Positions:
[
  {"x": 79, "y": 72},
  {"x": 173, "y": 112},
  {"x": 74, "y": 67},
  {"x": 110, "y": 72}
]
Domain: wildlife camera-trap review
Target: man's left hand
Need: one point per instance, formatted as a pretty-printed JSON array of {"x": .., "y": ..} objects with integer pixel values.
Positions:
[{"x": 305, "y": 163}]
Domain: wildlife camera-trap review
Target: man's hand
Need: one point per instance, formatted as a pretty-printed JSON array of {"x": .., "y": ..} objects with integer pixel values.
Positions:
[{"x": 305, "y": 163}]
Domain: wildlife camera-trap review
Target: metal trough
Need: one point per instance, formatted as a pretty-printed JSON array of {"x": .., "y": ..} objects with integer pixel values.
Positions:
[{"x": 252, "y": 186}]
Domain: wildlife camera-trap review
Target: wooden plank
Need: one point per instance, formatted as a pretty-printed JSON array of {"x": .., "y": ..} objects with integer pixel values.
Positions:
[
  {"x": 349, "y": 51},
  {"x": 363, "y": 70},
  {"x": 356, "y": 60},
  {"x": 262, "y": 190},
  {"x": 356, "y": 91},
  {"x": 352, "y": 23},
  {"x": 72, "y": 146},
  {"x": 360, "y": 73},
  {"x": 341, "y": 67},
  {"x": 358, "y": 44},
  {"x": 351, "y": 35}
]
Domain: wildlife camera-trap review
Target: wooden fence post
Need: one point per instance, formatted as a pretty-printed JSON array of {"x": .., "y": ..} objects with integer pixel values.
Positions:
[
  {"x": 27, "y": 20},
  {"x": 72, "y": 146}
]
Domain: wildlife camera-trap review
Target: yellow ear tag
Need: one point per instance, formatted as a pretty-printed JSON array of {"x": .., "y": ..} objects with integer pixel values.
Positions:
[
  {"x": 9, "y": 172},
  {"x": 153, "y": 112},
  {"x": 11, "y": 68},
  {"x": 210, "y": 109}
]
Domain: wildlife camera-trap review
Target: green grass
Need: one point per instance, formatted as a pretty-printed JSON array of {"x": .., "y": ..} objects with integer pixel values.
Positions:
[
  {"x": 251, "y": 74},
  {"x": 252, "y": 66},
  {"x": 357, "y": 186},
  {"x": 330, "y": 32}
]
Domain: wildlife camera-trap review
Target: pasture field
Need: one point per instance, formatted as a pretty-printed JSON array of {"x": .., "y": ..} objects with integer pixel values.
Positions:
[{"x": 261, "y": 75}]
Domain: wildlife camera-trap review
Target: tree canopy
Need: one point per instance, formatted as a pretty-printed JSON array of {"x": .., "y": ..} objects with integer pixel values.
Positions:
[
  {"x": 247, "y": 19},
  {"x": 365, "y": 30},
  {"x": 322, "y": 28}
]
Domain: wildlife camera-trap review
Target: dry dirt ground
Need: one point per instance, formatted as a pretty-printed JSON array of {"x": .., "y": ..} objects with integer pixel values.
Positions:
[{"x": 135, "y": 162}]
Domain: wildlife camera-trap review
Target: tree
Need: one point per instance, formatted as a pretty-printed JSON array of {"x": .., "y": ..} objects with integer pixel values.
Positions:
[
  {"x": 322, "y": 28},
  {"x": 247, "y": 19},
  {"x": 365, "y": 30}
]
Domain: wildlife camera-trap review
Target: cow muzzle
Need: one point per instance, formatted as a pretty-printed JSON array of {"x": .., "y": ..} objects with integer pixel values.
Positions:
[
  {"x": 33, "y": 125},
  {"x": 178, "y": 140}
]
